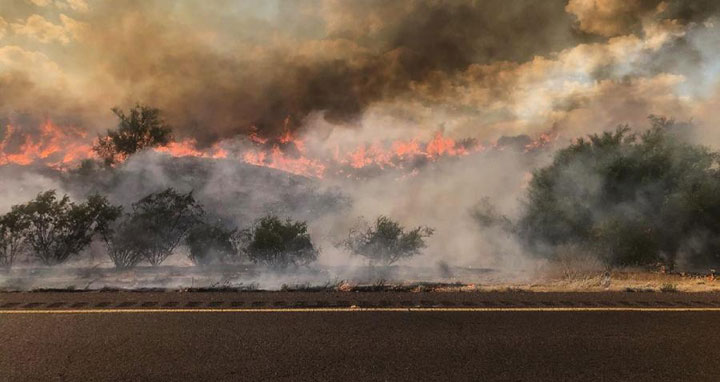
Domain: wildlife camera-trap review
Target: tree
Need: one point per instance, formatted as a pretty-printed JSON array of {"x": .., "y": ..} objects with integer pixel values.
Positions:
[
  {"x": 210, "y": 242},
  {"x": 386, "y": 241},
  {"x": 141, "y": 128},
  {"x": 630, "y": 199},
  {"x": 122, "y": 244},
  {"x": 58, "y": 228},
  {"x": 277, "y": 243},
  {"x": 13, "y": 227},
  {"x": 160, "y": 221}
]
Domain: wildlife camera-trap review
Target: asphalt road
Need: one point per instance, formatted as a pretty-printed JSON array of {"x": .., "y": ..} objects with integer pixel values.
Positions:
[{"x": 496, "y": 343}]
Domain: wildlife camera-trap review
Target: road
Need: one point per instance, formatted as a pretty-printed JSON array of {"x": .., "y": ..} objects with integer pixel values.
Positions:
[{"x": 653, "y": 337}]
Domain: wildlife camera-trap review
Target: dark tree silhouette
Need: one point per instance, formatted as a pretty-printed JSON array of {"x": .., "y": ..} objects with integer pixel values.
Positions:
[
  {"x": 210, "y": 242},
  {"x": 13, "y": 228},
  {"x": 158, "y": 223}
]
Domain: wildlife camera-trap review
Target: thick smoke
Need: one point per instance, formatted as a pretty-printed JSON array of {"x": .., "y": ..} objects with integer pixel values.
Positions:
[{"x": 219, "y": 70}]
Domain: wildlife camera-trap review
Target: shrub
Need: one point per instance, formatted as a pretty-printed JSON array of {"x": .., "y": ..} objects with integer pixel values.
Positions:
[
  {"x": 277, "y": 243},
  {"x": 387, "y": 241},
  {"x": 58, "y": 228},
  {"x": 123, "y": 246},
  {"x": 13, "y": 228},
  {"x": 631, "y": 199},
  {"x": 210, "y": 242},
  {"x": 158, "y": 223},
  {"x": 141, "y": 128}
]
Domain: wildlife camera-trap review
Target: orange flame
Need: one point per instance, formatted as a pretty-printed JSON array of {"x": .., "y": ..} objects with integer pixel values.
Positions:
[
  {"x": 543, "y": 140},
  {"x": 54, "y": 146},
  {"x": 59, "y": 147},
  {"x": 187, "y": 148}
]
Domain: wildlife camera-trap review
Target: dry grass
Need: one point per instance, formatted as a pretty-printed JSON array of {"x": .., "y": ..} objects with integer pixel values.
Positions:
[
  {"x": 623, "y": 280},
  {"x": 593, "y": 281}
]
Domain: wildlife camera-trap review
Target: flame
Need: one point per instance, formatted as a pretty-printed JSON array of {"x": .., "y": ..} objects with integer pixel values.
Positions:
[
  {"x": 54, "y": 146},
  {"x": 59, "y": 147},
  {"x": 440, "y": 146},
  {"x": 545, "y": 139},
  {"x": 397, "y": 152},
  {"x": 187, "y": 148},
  {"x": 277, "y": 159}
]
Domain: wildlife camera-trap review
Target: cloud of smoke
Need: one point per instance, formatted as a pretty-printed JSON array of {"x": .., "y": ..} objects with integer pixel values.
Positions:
[{"x": 219, "y": 70}]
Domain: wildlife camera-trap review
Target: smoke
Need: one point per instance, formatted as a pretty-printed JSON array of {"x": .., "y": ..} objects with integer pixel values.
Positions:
[{"x": 222, "y": 69}]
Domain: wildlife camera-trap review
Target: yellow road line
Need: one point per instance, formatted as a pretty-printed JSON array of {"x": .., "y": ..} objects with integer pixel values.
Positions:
[{"x": 332, "y": 310}]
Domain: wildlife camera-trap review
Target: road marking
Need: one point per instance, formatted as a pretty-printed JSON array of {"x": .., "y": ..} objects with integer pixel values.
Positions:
[{"x": 349, "y": 310}]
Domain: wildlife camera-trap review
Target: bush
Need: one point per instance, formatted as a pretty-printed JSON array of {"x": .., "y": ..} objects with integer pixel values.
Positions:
[
  {"x": 277, "y": 243},
  {"x": 668, "y": 288},
  {"x": 157, "y": 224},
  {"x": 210, "y": 242},
  {"x": 141, "y": 128},
  {"x": 13, "y": 228},
  {"x": 631, "y": 199},
  {"x": 58, "y": 228},
  {"x": 123, "y": 246},
  {"x": 387, "y": 241}
]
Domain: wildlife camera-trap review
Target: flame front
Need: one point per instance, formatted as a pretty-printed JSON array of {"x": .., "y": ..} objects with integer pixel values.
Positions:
[
  {"x": 53, "y": 146},
  {"x": 61, "y": 147}
]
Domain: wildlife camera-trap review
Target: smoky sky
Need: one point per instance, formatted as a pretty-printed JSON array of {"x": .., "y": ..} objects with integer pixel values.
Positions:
[
  {"x": 213, "y": 95},
  {"x": 218, "y": 70}
]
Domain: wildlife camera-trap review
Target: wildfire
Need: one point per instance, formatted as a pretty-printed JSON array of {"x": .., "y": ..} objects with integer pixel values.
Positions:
[
  {"x": 55, "y": 146},
  {"x": 187, "y": 148},
  {"x": 278, "y": 159},
  {"x": 60, "y": 147},
  {"x": 543, "y": 140}
]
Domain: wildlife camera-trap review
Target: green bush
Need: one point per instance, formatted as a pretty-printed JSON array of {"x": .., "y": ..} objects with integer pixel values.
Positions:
[
  {"x": 56, "y": 228},
  {"x": 157, "y": 224},
  {"x": 277, "y": 243},
  {"x": 386, "y": 241},
  {"x": 123, "y": 243},
  {"x": 141, "y": 128},
  {"x": 631, "y": 199}
]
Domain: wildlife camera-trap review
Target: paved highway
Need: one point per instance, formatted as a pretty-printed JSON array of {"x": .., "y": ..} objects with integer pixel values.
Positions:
[{"x": 653, "y": 337}]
